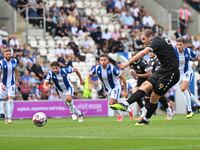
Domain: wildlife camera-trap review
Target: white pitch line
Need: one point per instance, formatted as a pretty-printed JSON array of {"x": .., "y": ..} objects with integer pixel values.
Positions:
[{"x": 100, "y": 137}]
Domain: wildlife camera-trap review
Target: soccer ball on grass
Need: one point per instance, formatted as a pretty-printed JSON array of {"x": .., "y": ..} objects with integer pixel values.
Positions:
[{"x": 39, "y": 119}]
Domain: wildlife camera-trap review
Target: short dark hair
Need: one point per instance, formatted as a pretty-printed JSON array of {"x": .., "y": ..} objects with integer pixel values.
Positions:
[
  {"x": 180, "y": 40},
  {"x": 104, "y": 55},
  {"x": 6, "y": 50},
  {"x": 55, "y": 64},
  {"x": 148, "y": 32}
]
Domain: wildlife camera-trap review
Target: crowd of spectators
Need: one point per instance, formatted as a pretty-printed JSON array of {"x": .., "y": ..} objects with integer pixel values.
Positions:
[
  {"x": 70, "y": 21},
  {"x": 194, "y": 3}
]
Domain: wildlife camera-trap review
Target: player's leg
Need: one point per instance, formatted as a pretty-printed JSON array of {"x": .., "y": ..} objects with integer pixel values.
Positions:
[
  {"x": 72, "y": 107},
  {"x": 114, "y": 97},
  {"x": 163, "y": 101},
  {"x": 184, "y": 88},
  {"x": 194, "y": 100},
  {"x": 135, "y": 97},
  {"x": 10, "y": 103},
  {"x": 2, "y": 115},
  {"x": 164, "y": 83}
]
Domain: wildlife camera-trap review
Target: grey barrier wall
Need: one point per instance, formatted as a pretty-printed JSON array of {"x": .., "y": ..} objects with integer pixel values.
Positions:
[{"x": 8, "y": 17}]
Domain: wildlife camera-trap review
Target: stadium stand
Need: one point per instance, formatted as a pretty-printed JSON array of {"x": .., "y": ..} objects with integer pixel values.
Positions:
[{"x": 84, "y": 29}]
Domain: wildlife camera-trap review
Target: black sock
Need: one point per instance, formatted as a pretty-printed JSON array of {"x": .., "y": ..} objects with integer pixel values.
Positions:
[
  {"x": 147, "y": 102},
  {"x": 137, "y": 96},
  {"x": 163, "y": 101},
  {"x": 151, "y": 110}
]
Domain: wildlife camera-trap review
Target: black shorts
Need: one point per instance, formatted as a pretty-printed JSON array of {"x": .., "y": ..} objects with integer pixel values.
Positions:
[
  {"x": 163, "y": 82},
  {"x": 171, "y": 98},
  {"x": 140, "y": 81}
]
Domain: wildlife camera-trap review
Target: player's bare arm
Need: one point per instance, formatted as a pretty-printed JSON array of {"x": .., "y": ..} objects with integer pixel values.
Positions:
[
  {"x": 16, "y": 77},
  {"x": 135, "y": 58},
  {"x": 79, "y": 75},
  {"x": 123, "y": 80}
]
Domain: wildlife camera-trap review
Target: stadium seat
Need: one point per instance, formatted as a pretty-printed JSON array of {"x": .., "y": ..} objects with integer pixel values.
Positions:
[
  {"x": 33, "y": 43},
  {"x": 106, "y": 20},
  {"x": 42, "y": 43},
  {"x": 111, "y": 27},
  {"x": 42, "y": 51},
  {"x": 59, "y": 3},
  {"x": 51, "y": 57},
  {"x": 103, "y": 12},
  {"x": 88, "y": 11},
  {"x": 51, "y": 43},
  {"x": 98, "y": 19},
  {"x": 79, "y": 4},
  {"x": 51, "y": 2},
  {"x": 95, "y": 12}
]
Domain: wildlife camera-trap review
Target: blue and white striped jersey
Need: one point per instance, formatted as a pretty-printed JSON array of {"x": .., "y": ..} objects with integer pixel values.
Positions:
[
  {"x": 184, "y": 58},
  {"x": 7, "y": 69},
  {"x": 108, "y": 77},
  {"x": 61, "y": 80}
]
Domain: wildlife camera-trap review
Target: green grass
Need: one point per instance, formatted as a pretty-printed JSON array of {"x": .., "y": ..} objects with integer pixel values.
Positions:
[{"x": 102, "y": 134}]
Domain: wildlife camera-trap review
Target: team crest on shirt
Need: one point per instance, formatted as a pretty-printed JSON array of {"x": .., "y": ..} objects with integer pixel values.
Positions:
[
  {"x": 109, "y": 71},
  {"x": 138, "y": 67},
  {"x": 161, "y": 86}
]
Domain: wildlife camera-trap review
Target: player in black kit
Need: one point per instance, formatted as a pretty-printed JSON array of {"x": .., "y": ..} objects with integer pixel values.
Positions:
[
  {"x": 138, "y": 71},
  {"x": 161, "y": 80}
]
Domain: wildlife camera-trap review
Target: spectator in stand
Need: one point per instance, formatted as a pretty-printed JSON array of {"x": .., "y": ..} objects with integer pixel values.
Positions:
[
  {"x": 76, "y": 51},
  {"x": 86, "y": 46},
  {"x": 127, "y": 20},
  {"x": 59, "y": 30},
  {"x": 55, "y": 10},
  {"x": 184, "y": 18},
  {"x": 59, "y": 50},
  {"x": 13, "y": 43},
  {"x": 116, "y": 35},
  {"x": 148, "y": 21},
  {"x": 51, "y": 23},
  {"x": 37, "y": 69},
  {"x": 119, "y": 4},
  {"x": 106, "y": 35},
  {"x": 21, "y": 68},
  {"x": 21, "y": 4},
  {"x": 135, "y": 11},
  {"x": 110, "y": 5},
  {"x": 32, "y": 11},
  {"x": 25, "y": 89},
  {"x": 196, "y": 43}
]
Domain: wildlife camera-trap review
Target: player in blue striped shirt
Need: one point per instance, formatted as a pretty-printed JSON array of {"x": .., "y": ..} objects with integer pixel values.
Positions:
[
  {"x": 185, "y": 55},
  {"x": 9, "y": 80},
  {"x": 59, "y": 76},
  {"x": 110, "y": 77}
]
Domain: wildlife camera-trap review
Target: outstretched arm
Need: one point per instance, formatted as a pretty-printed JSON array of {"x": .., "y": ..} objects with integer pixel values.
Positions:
[
  {"x": 123, "y": 80},
  {"x": 135, "y": 58},
  {"x": 79, "y": 75}
]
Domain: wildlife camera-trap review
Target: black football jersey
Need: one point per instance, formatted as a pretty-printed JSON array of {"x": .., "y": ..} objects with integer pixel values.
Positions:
[
  {"x": 154, "y": 63},
  {"x": 140, "y": 66},
  {"x": 165, "y": 54}
]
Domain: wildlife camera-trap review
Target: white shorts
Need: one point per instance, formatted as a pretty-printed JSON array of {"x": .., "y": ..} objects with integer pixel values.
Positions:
[
  {"x": 9, "y": 91},
  {"x": 63, "y": 95},
  {"x": 186, "y": 76},
  {"x": 115, "y": 93}
]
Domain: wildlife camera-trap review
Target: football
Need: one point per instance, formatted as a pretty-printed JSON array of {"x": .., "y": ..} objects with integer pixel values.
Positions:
[{"x": 39, "y": 119}]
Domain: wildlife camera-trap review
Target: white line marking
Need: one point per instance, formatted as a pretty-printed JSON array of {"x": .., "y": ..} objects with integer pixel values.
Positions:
[{"x": 100, "y": 137}]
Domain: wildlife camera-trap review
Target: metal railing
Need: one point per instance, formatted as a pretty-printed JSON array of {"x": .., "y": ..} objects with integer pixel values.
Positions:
[{"x": 28, "y": 18}]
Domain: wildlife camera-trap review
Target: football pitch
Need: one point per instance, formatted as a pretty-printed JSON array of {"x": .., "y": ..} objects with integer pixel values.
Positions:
[{"x": 102, "y": 133}]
